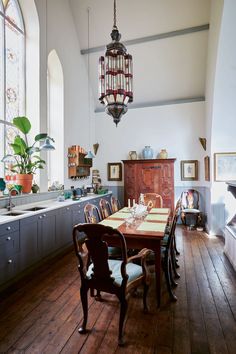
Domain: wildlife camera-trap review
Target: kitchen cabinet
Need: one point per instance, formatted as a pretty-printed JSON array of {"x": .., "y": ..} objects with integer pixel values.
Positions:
[
  {"x": 29, "y": 242},
  {"x": 9, "y": 247},
  {"x": 24, "y": 243},
  {"x": 149, "y": 176},
  {"x": 47, "y": 233}
]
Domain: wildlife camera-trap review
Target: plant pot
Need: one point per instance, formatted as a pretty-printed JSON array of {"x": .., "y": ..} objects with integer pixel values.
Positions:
[{"x": 25, "y": 180}]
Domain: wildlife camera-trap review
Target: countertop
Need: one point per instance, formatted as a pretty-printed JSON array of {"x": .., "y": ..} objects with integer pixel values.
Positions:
[{"x": 47, "y": 205}]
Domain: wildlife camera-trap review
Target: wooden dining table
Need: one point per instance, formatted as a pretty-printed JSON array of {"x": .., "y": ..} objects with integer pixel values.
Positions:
[{"x": 142, "y": 233}]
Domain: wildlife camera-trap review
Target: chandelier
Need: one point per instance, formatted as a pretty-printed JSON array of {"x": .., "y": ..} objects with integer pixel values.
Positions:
[{"x": 115, "y": 76}]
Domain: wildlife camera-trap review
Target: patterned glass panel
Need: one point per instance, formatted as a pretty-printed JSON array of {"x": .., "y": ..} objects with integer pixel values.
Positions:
[
  {"x": 1, "y": 91},
  {"x": 14, "y": 14},
  {"x": 14, "y": 72}
]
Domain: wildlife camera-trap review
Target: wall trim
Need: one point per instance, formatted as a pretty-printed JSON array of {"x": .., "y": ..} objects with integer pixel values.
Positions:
[
  {"x": 160, "y": 103},
  {"x": 155, "y": 37}
]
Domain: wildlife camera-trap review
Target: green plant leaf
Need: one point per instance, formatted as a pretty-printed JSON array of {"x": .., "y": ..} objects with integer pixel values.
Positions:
[
  {"x": 19, "y": 141},
  {"x": 41, "y": 136},
  {"x": 16, "y": 148},
  {"x": 23, "y": 124}
]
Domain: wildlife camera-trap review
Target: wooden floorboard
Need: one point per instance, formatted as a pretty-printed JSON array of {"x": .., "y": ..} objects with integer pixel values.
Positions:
[{"x": 42, "y": 314}]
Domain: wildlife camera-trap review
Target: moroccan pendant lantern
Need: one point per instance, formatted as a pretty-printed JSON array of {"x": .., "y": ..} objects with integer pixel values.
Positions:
[{"x": 116, "y": 76}]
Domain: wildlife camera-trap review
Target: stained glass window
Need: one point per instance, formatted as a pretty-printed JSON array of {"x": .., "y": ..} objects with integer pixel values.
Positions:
[{"x": 12, "y": 69}]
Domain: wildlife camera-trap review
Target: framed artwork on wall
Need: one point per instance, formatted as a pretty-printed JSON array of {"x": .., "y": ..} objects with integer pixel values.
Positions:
[
  {"x": 189, "y": 170},
  {"x": 207, "y": 168},
  {"x": 225, "y": 166},
  {"x": 114, "y": 171}
]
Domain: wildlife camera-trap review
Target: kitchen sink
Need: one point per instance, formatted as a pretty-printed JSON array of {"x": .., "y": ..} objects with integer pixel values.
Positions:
[
  {"x": 12, "y": 213},
  {"x": 35, "y": 208}
]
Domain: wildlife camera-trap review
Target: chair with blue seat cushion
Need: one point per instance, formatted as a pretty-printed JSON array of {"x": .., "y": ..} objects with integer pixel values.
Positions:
[
  {"x": 115, "y": 204},
  {"x": 118, "y": 277}
]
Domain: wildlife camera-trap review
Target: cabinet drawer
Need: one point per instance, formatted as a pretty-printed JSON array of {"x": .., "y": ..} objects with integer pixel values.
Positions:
[
  {"x": 9, "y": 227},
  {"x": 9, "y": 245}
]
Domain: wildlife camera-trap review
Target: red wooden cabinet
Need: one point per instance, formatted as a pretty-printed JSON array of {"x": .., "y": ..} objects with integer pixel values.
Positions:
[{"x": 153, "y": 176}]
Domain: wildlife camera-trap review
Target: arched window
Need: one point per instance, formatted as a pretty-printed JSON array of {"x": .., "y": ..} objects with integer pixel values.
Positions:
[
  {"x": 55, "y": 118},
  {"x": 12, "y": 69}
]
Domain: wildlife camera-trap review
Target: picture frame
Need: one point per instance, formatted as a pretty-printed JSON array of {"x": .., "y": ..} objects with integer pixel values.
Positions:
[
  {"x": 207, "y": 168},
  {"x": 225, "y": 166},
  {"x": 189, "y": 170},
  {"x": 114, "y": 171}
]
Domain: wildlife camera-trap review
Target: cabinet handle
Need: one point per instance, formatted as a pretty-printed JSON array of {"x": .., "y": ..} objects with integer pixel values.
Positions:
[
  {"x": 9, "y": 228},
  {"x": 9, "y": 261},
  {"x": 40, "y": 217},
  {"x": 8, "y": 238},
  {"x": 44, "y": 215},
  {"x": 67, "y": 208}
]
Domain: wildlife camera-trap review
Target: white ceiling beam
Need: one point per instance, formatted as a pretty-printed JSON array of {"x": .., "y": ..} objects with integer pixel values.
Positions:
[
  {"x": 155, "y": 37},
  {"x": 160, "y": 103}
]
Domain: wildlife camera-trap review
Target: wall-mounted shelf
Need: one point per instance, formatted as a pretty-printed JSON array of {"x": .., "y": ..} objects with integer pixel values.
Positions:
[{"x": 78, "y": 165}]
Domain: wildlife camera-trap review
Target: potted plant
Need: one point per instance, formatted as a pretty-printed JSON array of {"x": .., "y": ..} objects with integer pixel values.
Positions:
[{"x": 26, "y": 159}]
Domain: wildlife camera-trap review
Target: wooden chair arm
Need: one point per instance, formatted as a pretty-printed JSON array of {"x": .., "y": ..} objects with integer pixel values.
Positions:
[{"x": 141, "y": 255}]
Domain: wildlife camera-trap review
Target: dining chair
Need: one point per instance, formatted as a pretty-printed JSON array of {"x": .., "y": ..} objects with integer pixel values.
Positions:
[
  {"x": 153, "y": 200},
  {"x": 97, "y": 271},
  {"x": 115, "y": 204},
  {"x": 105, "y": 208},
  {"x": 92, "y": 214}
]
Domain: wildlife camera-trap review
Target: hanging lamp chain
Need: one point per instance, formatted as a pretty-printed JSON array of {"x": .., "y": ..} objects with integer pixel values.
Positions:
[{"x": 114, "y": 14}]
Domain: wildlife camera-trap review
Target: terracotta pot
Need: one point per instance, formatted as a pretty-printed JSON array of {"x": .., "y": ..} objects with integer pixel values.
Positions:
[{"x": 25, "y": 180}]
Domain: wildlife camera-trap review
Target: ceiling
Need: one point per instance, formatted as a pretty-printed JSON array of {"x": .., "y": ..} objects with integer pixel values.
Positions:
[{"x": 166, "y": 70}]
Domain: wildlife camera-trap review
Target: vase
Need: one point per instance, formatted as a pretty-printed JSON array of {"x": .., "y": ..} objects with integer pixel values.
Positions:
[
  {"x": 147, "y": 153},
  {"x": 163, "y": 154},
  {"x": 133, "y": 155},
  {"x": 25, "y": 180}
]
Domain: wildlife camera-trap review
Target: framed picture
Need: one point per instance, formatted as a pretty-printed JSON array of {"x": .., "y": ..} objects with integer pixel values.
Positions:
[
  {"x": 189, "y": 170},
  {"x": 114, "y": 171},
  {"x": 207, "y": 168},
  {"x": 225, "y": 166}
]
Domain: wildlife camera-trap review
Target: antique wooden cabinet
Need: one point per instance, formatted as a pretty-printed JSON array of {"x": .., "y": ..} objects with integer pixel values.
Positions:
[{"x": 153, "y": 176}]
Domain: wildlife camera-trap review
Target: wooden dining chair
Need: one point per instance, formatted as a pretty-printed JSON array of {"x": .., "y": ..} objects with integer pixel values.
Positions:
[
  {"x": 92, "y": 214},
  {"x": 115, "y": 204},
  {"x": 105, "y": 208},
  {"x": 97, "y": 271},
  {"x": 153, "y": 200}
]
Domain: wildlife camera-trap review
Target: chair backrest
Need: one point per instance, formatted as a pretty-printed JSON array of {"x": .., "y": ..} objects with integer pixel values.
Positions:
[
  {"x": 189, "y": 199},
  {"x": 115, "y": 204},
  {"x": 92, "y": 214},
  {"x": 171, "y": 233},
  {"x": 93, "y": 248},
  {"x": 153, "y": 200},
  {"x": 105, "y": 208}
]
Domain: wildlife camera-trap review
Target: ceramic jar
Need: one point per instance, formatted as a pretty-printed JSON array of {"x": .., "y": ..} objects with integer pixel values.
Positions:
[
  {"x": 147, "y": 153},
  {"x": 163, "y": 154},
  {"x": 133, "y": 155}
]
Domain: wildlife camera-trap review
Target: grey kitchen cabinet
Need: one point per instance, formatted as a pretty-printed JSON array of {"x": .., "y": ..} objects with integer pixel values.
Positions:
[
  {"x": 9, "y": 248},
  {"x": 47, "y": 232},
  {"x": 29, "y": 242},
  {"x": 78, "y": 213},
  {"x": 64, "y": 226}
]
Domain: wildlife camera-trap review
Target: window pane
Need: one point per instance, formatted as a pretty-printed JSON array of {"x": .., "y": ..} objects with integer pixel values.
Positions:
[
  {"x": 1, "y": 68},
  {"x": 14, "y": 72},
  {"x": 14, "y": 14}
]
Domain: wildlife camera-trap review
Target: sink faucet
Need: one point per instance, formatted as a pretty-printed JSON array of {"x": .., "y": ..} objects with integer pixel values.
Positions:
[{"x": 10, "y": 205}]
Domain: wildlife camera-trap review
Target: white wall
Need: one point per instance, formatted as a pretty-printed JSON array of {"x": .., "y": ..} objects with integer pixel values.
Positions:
[{"x": 175, "y": 127}]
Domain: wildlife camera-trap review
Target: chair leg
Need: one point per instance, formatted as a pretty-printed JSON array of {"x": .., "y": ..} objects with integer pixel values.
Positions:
[
  {"x": 176, "y": 251},
  {"x": 168, "y": 281},
  {"x": 173, "y": 282},
  {"x": 123, "y": 310},
  {"x": 145, "y": 291},
  {"x": 84, "y": 299},
  {"x": 173, "y": 263}
]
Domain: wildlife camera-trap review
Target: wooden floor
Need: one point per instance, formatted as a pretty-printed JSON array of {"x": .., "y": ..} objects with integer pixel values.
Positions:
[{"x": 43, "y": 315}]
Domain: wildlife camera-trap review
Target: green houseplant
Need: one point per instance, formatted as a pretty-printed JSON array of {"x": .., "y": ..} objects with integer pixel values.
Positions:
[{"x": 25, "y": 160}]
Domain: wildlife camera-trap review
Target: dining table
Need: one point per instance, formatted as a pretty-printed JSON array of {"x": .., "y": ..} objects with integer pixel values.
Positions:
[{"x": 141, "y": 232}]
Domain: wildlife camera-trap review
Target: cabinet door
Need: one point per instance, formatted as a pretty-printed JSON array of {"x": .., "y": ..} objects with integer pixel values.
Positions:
[
  {"x": 64, "y": 226},
  {"x": 9, "y": 246},
  {"x": 29, "y": 251},
  {"x": 78, "y": 214},
  {"x": 47, "y": 233},
  {"x": 130, "y": 182}
]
